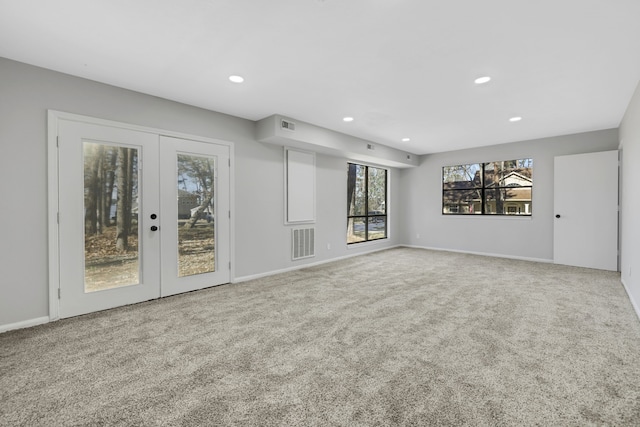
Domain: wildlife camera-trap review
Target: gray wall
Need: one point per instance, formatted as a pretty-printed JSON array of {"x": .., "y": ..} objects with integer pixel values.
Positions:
[
  {"x": 630, "y": 200},
  {"x": 262, "y": 241},
  {"x": 529, "y": 238}
]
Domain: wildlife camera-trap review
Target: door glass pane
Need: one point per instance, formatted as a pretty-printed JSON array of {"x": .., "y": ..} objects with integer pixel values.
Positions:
[
  {"x": 110, "y": 216},
  {"x": 196, "y": 214}
]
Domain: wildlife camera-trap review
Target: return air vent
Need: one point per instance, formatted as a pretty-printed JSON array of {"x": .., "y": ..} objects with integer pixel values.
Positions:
[
  {"x": 285, "y": 124},
  {"x": 303, "y": 243}
]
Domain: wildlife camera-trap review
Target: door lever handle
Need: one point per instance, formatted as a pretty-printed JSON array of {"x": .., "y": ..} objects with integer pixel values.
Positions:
[{"x": 154, "y": 228}]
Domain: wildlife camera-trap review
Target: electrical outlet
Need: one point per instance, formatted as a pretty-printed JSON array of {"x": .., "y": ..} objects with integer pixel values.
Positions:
[
  {"x": 417, "y": 235},
  {"x": 328, "y": 246}
]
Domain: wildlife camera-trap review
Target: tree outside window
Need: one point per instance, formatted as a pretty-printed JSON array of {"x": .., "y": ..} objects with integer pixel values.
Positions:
[
  {"x": 366, "y": 203},
  {"x": 493, "y": 188}
]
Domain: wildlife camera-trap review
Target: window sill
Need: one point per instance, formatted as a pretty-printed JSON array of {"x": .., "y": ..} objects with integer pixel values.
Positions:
[
  {"x": 365, "y": 244},
  {"x": 492, "y": 217}
]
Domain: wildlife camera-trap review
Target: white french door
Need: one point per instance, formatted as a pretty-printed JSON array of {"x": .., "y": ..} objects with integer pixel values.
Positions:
[
  {"x": 140, "y": 216},
  {"x": 194, "y": 257}
]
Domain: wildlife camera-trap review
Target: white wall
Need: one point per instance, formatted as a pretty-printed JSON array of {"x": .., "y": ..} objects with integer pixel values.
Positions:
[
  {"x": 262, "y": 239},
  {"x": 529, "y": 238},
  {"x": 630, "y": 200}
]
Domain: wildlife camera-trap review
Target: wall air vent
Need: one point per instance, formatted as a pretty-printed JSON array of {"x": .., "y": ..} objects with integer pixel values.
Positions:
[
  {"x": 303, "y": 243},
  {"x": 285, "y": 124}
]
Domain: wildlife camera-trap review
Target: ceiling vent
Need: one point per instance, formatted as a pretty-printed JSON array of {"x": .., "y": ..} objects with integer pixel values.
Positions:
[{"x": 285, "y": 124}]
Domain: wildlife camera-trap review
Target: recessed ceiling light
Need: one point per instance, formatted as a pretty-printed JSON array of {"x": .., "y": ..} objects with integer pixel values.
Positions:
[
  {"x": 482, "y": 80},
  {"x": 347, "y": 119},
  {"x": 515, "y": 119},
  {"x": 236, "y": 79},
  {"x": 406, "y": 139}
]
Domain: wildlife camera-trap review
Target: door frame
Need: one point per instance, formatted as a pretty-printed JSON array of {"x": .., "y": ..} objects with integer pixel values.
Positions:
[{"x": 53, "y": 241}]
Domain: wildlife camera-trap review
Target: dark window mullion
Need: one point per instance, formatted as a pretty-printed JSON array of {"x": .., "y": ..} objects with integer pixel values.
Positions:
[
  {"x": 366, "y": 203},
  {"x": 483, "y": 208}
]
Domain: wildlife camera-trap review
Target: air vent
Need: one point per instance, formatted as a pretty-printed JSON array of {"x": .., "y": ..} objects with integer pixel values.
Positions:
[
  {"x": 303, "y": 243},
  {"x": 284, "y": 124},
  {"x": 371, "y": 147}
]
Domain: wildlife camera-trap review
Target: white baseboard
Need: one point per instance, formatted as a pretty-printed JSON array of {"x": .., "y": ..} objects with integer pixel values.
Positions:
[
  {"x": 520, "y": 258},
  {"x": 24, "y": 324},
  {"x": 633, "y": 302},
  {"x": 299, "y": 267}
]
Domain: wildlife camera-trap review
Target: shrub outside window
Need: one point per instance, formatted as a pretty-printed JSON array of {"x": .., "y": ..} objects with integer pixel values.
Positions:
[
  {"x": 366, "y": 203},
  {"x": 493, "y": 188}
]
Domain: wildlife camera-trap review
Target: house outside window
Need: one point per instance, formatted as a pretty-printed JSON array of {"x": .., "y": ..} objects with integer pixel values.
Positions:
[
  {"x": 366, "y": 203},
  {"x": 493, "y": 188}
]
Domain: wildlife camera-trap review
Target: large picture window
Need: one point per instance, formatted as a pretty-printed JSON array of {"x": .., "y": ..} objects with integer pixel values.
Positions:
[
  {"x": 493, "y": 188},
  {"x": 366, "y": 203}
]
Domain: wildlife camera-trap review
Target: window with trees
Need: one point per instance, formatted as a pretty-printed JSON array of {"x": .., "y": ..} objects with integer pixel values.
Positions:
[
  {"x": 493, "y": 188},
  {"x": 366, "y": 203}
]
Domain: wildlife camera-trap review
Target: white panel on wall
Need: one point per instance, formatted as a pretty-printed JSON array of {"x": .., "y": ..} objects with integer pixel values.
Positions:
[{"x": 300, "y": 186}]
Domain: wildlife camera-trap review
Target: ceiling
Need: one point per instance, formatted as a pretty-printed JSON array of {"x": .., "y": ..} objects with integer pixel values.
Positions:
[{"x": 400, "y": 68}]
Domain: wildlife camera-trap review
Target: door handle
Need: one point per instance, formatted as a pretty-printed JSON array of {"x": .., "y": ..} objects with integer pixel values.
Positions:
[
  {"x": 154, "y": 228},
  {"x": 557, "y": 215}
]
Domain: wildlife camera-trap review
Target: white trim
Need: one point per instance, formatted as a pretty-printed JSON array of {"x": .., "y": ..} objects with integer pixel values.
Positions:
[
  {"x": 489, "y": 217},
  {"x": 61, "y": 115},
  {"x": 24, "y": 324},
  {"x": 376, "y": 242},
  {"x": 313, "y": 264},
  {"x": 53, "y": 119},
  {"x": 52, "y": 214},
  {"x": 633, "y": 302},
  {"x": 519, "y": 258},
  {"x": 232, "y": 215}
]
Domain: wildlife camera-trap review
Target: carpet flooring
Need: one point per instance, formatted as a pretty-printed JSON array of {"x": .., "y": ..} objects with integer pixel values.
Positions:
[{"x": 405, "y": 337}]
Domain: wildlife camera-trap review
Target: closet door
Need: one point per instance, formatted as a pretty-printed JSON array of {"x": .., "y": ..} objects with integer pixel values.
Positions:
[{"x": 585, "y": 232}]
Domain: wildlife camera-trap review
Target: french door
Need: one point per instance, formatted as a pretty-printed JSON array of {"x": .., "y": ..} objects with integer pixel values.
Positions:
[{"x": 140, "y": 216}]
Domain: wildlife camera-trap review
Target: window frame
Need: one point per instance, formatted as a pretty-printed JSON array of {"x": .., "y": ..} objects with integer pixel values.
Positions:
[
  {"x": 483, "y": 189},
  {"x": 368, "y": 216}
]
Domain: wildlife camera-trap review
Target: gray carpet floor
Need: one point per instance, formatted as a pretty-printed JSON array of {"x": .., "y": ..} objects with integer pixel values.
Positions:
[{"x": 399, "y": 337}]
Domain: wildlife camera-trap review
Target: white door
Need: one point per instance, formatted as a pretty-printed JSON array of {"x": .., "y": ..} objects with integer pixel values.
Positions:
[
  {"x": 190, "y": 256},
  {"x": 125, "y": 203},
  {"x": 586, "y": 210}
]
